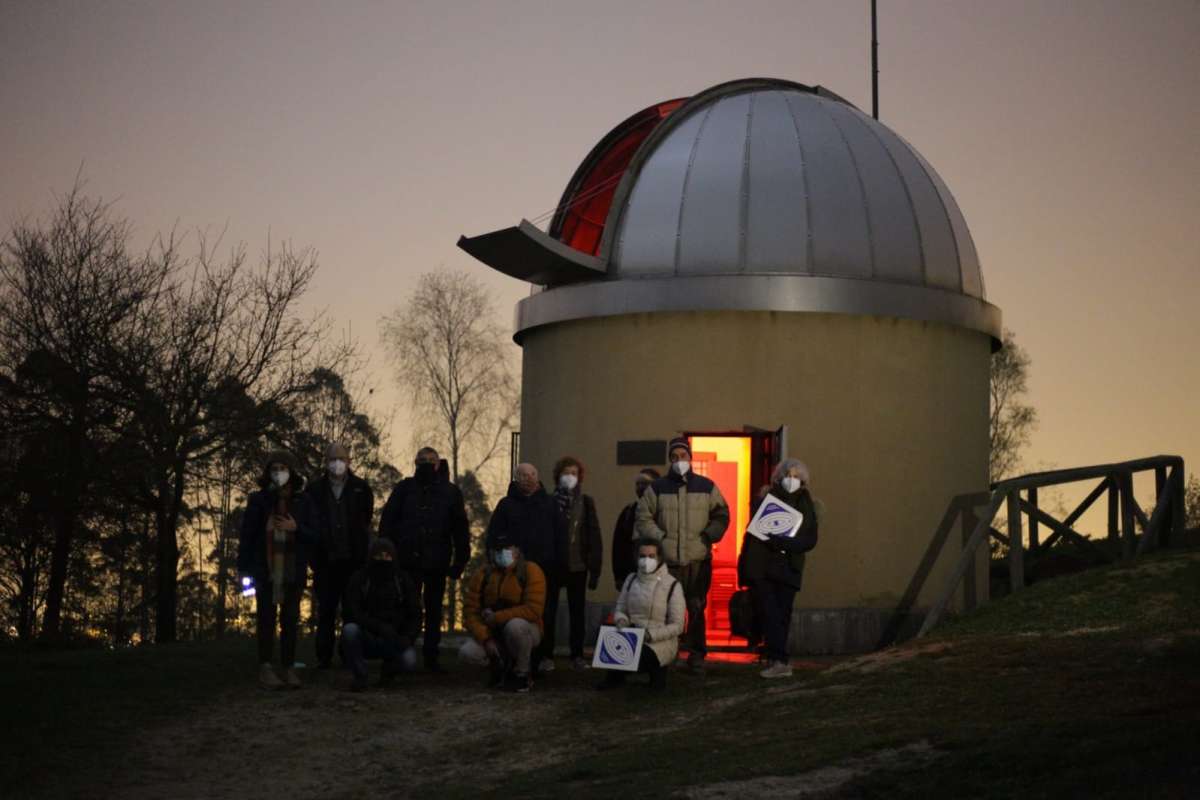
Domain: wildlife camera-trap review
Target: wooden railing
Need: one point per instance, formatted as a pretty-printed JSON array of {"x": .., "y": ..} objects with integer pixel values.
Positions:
[{"x": 1020, "y": 498}]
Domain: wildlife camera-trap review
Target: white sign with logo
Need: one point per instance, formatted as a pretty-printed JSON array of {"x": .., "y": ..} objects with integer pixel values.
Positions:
[
  {"x": 618, "y": 648},
  {"x": 775, "y": 518}
]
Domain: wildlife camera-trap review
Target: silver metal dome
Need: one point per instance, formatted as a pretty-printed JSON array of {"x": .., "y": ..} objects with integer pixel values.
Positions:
[
  {"x": 755, "y": 195},
  {"x": 781, "y": 180}
]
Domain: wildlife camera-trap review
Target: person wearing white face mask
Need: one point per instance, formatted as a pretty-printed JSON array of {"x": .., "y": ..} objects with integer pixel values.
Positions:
[
  {"x": 687, "y": 513},
  {"x": 652, "y": 599},
  {"x": 774, "y": 569},
  {"x": 502, "y": 610},
  {"x": 584, "y": 550},
  {"x": 273, "y": 548},
  {"x": 343, "y": 505}
]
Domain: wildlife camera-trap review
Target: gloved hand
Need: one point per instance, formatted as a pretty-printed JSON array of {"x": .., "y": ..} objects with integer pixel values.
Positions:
[
  {"x": 456, "y": 571},
  {"x": 593, "y": 582}
]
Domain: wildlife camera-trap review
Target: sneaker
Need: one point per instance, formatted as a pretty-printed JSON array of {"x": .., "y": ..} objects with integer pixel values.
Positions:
[
  {"x": 579, "y": 663},
  {"x": 778, "y": 669},
  {"x": 267, "y": 678},
  {"x": 522, "y": 683},
  {"x": 546, "y": 665},
  {"x": 291, "y": 679}
]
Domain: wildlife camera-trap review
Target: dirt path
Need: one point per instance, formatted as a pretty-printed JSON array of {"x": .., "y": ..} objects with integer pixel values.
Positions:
[{"x": 323, "y": 741}]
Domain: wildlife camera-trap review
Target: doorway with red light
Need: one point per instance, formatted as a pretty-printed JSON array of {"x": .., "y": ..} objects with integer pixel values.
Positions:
[{"x": 740, "y": 464}]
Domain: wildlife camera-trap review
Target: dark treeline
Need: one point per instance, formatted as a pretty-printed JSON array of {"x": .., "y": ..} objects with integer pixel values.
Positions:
[{"x": 139, "y": 392}]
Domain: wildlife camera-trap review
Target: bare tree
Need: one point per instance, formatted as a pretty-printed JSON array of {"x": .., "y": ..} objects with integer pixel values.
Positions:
[
  {"x": 1012, "y": 421},
  {"x": 456, "y": 361},
  {"x": 228, "y": 344}
]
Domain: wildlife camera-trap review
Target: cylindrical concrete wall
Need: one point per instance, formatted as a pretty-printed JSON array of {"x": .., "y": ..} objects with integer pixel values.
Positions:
[{"x": 891, "y": 416}]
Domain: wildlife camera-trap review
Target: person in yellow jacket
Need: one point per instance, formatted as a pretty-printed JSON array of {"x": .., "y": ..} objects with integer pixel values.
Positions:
[{"x": 503, "y": 613}]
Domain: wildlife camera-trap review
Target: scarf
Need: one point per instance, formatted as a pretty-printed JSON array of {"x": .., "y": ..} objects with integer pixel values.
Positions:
[{"x": 281, "y": 550}]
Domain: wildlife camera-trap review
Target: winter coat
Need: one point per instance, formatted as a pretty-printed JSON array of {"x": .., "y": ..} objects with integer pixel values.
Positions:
[
  {"x": 252, "y": 539},
  {"x": 686, "y": 513},
  {"x": 518, "y": 592},
  {"x": 647, "y": 601},
  {"x": 379, "y": 605},
  {"x": 359, "y": 501},
  {"x": 623, "y": 537},
  {"x": 588, "y": 539},
  {"x": 780, "y": 558},
  {"x": 531, "y": 522},
  {"x": 427, "y": 521}
]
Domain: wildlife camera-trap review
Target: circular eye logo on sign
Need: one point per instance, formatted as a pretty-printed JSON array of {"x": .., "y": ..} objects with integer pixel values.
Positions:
[
  {"x": 617, "y": 647},
  {"x": 776, "y": 519}
]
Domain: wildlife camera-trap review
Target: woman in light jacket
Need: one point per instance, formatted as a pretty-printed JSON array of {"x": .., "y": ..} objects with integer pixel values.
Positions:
[
  {"x": 653, "y": 600},
  {"x": 774, "y": 569}
]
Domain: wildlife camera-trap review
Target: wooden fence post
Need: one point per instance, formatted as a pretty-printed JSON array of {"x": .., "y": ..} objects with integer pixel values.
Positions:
[
  {"x": 1033, "y": 520},
  {"x": 1016, "y": 548},
  {"x": 1128, "y": 531},
  {"x": 1113, "y": 498}
]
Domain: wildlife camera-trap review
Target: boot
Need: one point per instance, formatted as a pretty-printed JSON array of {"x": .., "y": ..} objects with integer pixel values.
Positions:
[
  {"x": 291, "y": 679},
  {"x": 267, "y": 678}
]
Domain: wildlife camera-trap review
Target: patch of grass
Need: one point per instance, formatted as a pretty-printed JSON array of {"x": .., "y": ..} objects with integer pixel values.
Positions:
[
  {"x": 66, "y": 712},
  {"x": 1085, "y": 685}
]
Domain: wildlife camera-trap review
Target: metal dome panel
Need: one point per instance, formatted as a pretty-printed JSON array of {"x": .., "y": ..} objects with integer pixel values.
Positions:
[{"x": 776, "y": 179}]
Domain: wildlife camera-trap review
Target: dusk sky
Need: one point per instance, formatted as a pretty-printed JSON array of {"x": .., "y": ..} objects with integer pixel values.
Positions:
[{"x": 379, "y": 132}]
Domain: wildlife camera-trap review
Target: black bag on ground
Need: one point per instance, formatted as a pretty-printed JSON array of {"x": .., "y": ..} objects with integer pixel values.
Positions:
[{"x": 741, "y": 614}]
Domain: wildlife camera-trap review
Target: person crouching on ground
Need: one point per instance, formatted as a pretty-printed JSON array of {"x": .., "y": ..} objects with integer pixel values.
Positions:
[
  {"x": 273, "y": 546},
  {"x": 653, "y": 600},
  {"x": 503, "y": 613},
  {"x": 773, "y": 569},
  {"x": 383, "y": 614}
]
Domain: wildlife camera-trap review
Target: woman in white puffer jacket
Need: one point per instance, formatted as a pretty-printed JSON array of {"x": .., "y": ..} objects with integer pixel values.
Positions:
[{"x": 651, "y": 599}]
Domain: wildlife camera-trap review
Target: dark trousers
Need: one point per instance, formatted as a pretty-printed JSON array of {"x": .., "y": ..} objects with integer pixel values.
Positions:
[
  {"x": 647, "y": 664},
  {"x": 329, "y": 585},
  {"x": 433, "y": 587},
  {"x": 773, "y": 606},
  {"x": 555, "y": 580},
  {"x": 288, "y": 618},
  {"x": 576, "y": 585},
  {"x": 360, "y": 644},
  {"x": 694, "y": 579}
]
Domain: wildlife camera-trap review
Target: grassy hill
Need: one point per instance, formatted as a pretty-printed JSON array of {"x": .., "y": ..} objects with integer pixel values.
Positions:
[{"x": 1083, "y": 686}]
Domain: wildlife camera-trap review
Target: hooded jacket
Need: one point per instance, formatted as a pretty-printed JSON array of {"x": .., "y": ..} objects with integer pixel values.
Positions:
[
  {"x": 518, "y": 592},
  {"x": 379, "y": 605},
  {"x": 531, "y": 522},
  {"x": 427, "y": 521},
  {"x": 686, "y": 513},
  {"x": 252, "y": 538}
]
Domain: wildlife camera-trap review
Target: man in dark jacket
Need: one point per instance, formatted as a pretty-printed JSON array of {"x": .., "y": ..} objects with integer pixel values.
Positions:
[
  {"x": 383, "y": 615},
  {"x": 426, "y": 519},
  {"x": 529, "y": 518},
  {"x": 342, "y": 505},
  {"x": 624, "y": 534}
]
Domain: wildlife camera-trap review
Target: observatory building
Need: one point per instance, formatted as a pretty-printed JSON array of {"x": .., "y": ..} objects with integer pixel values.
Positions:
[{"x": 766, "y": 269}]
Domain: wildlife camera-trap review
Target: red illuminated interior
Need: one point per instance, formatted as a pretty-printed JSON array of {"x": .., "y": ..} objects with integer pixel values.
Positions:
[{"x": 584, "y": 210}]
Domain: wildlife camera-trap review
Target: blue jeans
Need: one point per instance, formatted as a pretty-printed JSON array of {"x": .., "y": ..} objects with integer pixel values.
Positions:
[{"x": 360, "y": 644}]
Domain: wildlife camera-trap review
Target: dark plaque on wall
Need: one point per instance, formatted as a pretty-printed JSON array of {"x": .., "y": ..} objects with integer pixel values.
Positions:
[{"x": 646, "y": 453}]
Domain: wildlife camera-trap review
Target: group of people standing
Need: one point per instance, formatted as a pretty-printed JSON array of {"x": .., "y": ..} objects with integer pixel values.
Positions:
[{"x": 390, "y": 587}]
